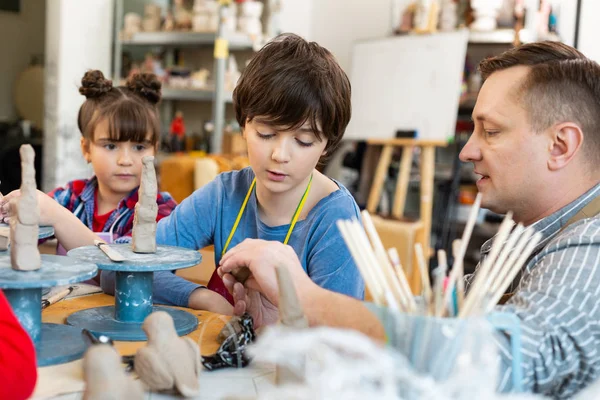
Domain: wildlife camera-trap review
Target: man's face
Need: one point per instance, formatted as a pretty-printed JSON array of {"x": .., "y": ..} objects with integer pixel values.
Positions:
[{"x": 509, "y": 157}]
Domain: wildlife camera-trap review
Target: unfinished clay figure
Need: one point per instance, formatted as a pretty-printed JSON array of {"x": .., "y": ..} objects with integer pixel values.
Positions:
[
  {"x": 292, "y": 316},
  {"x": 143, "y": 238},
  {"x": 105, "y": 377},
  {"x": 24, "y": 253},
  {"x": 168, "y": 361}
]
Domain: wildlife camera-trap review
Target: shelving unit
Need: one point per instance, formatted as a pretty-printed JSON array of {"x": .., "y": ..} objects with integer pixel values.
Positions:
[
  {"x": 179, "y": 39},
  {"x": 205, "y": 94},
  {"x": 505, "y": 36},
  {"x": 170, "y": 41}
]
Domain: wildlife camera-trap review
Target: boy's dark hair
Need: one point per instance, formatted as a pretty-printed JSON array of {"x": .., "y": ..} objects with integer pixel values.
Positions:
[
  {"x": 562, "y": 85},
  {"x": 291, "y": 81},
  {"x": 130, "y": 110}
]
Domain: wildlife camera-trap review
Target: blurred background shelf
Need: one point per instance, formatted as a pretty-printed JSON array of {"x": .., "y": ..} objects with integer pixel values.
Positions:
[
  {"x": 177, "y": 39},
  {"x": 189, "y": 94},
  {"x": 506, "y": 36}
]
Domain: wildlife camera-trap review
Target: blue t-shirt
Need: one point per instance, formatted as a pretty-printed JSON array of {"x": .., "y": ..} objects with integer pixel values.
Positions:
[{"x": 208, "y": 215}]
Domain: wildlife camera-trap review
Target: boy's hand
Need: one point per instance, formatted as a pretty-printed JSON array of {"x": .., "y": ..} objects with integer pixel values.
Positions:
[
  {"x": 260, "y": 293},
  {"x": 47, "y": 205}
]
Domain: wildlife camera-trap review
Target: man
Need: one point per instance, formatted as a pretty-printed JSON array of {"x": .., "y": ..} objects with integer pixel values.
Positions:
[{"x": 536, "y": 146}]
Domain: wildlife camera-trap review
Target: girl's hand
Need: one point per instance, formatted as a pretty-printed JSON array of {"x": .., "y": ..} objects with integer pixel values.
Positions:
[{"x": 49, "y": 208}]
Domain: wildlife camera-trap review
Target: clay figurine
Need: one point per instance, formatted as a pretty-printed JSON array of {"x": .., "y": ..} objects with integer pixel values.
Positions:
[
  {"x": 105, "y": 377},
  {"x": 168, "y": 361},
  {"x": 290, "y": 315},
  {"x": 24, "y": 253},
  {"x": 169, "y": 23},
  {"x": 182, "y": 16},
  {"x": 143, "y": 238}
]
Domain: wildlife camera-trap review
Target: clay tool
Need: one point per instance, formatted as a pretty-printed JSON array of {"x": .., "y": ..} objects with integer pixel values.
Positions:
[
  {"x": 57, "y": 297},
  {"x": 110, "y": 253}
]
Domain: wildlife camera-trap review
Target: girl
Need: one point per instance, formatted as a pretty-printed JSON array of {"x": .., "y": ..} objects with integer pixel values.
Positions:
[{"x": 119, "y": 126}]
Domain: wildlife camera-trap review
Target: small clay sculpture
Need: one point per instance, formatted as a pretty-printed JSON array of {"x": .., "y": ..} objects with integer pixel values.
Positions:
[
  {"x": 105, "y": 377},
  {"x": 24, "y": 228},
  {"x": 290, "y": 315},
  {"x": 168, "y": 361},
  {"x": 143, "y": 238}
]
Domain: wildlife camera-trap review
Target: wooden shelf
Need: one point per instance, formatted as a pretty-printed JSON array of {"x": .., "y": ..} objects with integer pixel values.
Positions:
[
  {"x": 505, "y": 36},
  {"x": 190, "y": 94},
  {"x": 236, "y": 40}
]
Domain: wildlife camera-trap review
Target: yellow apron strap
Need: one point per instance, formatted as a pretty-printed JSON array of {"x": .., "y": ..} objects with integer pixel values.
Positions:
[
  {"x": 239, "y": 216},
  {"x": 298, "y": 211},
  {"x": 243, "y": 208}
]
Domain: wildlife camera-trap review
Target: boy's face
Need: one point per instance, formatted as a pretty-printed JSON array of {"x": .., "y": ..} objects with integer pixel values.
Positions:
[
  {"x": 282, "y": 160},
  {"x": 117, "y": 165}
]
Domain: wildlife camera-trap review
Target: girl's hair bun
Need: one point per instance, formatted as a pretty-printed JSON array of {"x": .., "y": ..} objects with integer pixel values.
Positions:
[
  {"x": 146, "y": 85},
  {"x": 94, "y": 84}
]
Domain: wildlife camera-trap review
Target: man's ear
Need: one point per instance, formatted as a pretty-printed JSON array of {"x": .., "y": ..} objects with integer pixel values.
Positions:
[
  {"x": 566, "y": 140},
  {"x": 85, "y": 149}
]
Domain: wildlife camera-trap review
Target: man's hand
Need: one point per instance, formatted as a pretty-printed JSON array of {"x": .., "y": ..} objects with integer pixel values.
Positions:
[
  {"x": 263, "y": 312},
  {"x": 260, "y": 293}
]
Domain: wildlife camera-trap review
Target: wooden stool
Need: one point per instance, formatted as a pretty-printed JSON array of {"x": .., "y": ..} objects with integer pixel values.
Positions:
[{"x": 398, "y": 232}]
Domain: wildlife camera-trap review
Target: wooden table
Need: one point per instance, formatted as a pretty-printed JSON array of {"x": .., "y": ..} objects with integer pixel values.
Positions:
[
  {"x": 66, "y": 381},
  {"x": 209, "y": 324}
]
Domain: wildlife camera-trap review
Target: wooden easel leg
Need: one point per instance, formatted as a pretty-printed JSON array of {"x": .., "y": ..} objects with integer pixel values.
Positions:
[
  {"x": 402, "y": 182},
  {"x": 427, "y": 182},
  {"x": 379, "y": 180},
  {"x": 367, "y": 171}
]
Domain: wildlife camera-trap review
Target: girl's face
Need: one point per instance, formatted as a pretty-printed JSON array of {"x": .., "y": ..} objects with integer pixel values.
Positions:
[
  {"x": 282, "y": 160},
  {"x": 117, "y": 165}
]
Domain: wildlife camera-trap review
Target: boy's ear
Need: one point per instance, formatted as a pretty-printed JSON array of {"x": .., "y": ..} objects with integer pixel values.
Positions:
[{"x": 85, "y": 149}]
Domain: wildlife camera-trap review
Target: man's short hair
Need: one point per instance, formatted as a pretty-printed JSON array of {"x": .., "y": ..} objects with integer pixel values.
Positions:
[
  {"x": 562, "y": 85},
  {"x": 291, "y": 81}
]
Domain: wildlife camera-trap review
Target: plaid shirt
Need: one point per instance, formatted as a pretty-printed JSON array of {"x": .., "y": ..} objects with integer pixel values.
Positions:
[{"x": 78, "y": 197}]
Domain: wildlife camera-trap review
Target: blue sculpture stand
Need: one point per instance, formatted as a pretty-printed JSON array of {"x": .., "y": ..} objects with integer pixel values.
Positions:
[
  {"x": 54, "y": 343},
  {"x": 44, "y": 233},
  {"x": 133, "y": 291}
]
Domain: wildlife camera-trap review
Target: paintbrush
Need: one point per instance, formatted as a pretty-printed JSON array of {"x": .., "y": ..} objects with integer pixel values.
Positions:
[
  {"x": 110, "y": 252},
  {"x": 57, "y": 297}
]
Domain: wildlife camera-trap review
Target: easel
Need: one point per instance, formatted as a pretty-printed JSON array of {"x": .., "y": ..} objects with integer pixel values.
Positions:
[{"x": 394, "y": 231}]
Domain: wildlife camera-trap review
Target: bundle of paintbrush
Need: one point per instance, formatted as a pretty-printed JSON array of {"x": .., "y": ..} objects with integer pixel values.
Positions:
[{"x": 388, "y": 284}]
